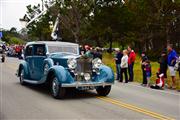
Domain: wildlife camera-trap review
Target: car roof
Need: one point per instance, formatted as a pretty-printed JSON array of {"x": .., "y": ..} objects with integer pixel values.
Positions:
[{"x": 51, "y": 43}]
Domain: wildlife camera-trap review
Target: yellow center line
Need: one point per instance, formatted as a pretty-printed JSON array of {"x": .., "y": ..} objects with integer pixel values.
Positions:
[{"x": 135, "y": 108}]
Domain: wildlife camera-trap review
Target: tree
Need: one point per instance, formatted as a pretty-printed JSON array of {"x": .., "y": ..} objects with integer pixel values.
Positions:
[
  {"x": 13, "y": 30},
  {"x": 112, "y": 21},
  {"x": 154, "y": 20},
  {"x": 12, "y": 36},
  {"x": 39, "y": 29},
  {"x": 145, "y": 24},
  {"x": 74, "y": 16}
]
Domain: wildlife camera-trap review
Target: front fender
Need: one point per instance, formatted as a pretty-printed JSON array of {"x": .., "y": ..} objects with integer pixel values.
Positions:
[
  {"x": 49, "y": 61},
  {"x": 23, "y": 65},
  {"x": 106, "y": 74},
  {"x": 61, "y": 73}
]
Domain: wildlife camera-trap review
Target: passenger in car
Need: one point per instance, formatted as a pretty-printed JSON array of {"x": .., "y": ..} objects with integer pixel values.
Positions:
[
  {"x": 88, "y": 52},
  {"x": 40, "y": 51}
]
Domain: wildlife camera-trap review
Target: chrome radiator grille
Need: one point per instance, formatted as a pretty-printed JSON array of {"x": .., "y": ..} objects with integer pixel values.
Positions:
[{"x": 84, "y": 66}]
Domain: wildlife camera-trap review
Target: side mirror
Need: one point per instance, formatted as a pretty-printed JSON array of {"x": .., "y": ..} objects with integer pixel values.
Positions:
[
  {"x": 23, "y": 54},
  {"x": 23, "y": 57}
]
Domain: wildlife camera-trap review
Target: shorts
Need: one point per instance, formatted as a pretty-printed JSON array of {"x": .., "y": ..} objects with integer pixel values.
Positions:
[
  {"x": 172, "y": 71},
  {"x": 148, "y": 74}
]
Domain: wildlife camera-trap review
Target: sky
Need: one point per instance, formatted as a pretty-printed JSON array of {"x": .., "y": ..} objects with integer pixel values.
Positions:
[{"x": 12, "y": 10}]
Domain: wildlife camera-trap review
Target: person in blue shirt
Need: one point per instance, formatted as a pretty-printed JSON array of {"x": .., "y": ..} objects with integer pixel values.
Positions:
[
  {"x": 172, "y": 56},
  {"x": 117, "y": 58}
]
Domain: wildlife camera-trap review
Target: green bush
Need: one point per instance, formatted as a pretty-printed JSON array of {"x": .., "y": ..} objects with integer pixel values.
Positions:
[{"x": 15, "y": 40}]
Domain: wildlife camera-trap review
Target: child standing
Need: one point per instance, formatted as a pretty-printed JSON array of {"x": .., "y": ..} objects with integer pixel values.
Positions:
[
  {"x": 148, "y": 71},
  {"x": 143, "y": 59}
]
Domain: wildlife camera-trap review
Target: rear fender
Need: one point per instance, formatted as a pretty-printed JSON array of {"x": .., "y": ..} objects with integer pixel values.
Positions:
[
  {"x": 49, "y": 61},
  {"x": 23, "y": 65}
]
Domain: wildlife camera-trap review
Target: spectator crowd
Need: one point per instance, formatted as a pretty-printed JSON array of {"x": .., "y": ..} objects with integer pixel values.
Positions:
[{"x": 125, "y": 60}]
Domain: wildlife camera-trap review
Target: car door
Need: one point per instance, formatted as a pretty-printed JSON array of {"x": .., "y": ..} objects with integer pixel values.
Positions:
[
  {"x": 29, "y": 59},
  {"x": 39, "y": 54}
]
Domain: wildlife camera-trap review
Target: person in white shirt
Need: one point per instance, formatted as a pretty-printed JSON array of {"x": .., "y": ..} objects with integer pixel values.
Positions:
[{"x": 124, "y": 66}]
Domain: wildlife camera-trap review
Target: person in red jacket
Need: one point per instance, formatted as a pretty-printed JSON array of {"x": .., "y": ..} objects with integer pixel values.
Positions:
[{"x": 131, "y": 60}]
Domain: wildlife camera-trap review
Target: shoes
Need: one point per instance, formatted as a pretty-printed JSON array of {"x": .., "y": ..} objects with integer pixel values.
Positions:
[
  {"x": 172, "y": 87},
  {"x": 122, "y": 82},
  {"x": 144, "y": 85},
  {"x": 130, "y": 80}
]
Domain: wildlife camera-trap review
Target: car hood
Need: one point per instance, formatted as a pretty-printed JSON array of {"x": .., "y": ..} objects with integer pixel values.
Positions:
[{"x": 61, "y": 58}]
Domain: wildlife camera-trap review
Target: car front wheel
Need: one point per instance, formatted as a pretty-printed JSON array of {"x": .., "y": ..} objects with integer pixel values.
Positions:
[
  {"x": 56, "y": 90},
  {"x": 103, "y": 91}
]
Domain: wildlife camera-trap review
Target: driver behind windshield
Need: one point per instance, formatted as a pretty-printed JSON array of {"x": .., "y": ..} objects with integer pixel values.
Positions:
[{"x": 40, "y": 51}]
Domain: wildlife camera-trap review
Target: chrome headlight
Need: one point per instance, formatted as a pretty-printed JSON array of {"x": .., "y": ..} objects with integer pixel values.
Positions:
[
  {"x": 46, "y": 68},
  {"x": 87, "y": 76},
  {"x": 72, "y": 63},
  {"x": 96, "y": 63}
]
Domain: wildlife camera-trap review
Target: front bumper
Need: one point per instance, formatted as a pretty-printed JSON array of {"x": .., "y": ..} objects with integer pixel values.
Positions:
[{"x": 85, "y": 84}]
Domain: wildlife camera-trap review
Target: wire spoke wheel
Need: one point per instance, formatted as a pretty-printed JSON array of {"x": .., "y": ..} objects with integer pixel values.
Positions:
[{"x": 56, "y": 89}]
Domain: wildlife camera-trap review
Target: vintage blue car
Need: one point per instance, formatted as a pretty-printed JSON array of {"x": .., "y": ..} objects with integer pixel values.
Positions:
[{"x": 59, "y": 65}]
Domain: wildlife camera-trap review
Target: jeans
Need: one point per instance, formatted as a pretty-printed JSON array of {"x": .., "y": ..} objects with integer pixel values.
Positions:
[
  {"x": 124, "y": 71},
  {"x": 118, "y": 71},
  {"x": 131, "y": 72}
]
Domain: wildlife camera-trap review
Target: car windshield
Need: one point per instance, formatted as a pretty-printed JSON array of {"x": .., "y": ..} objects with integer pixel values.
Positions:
[{"x": 69, "y": 49}]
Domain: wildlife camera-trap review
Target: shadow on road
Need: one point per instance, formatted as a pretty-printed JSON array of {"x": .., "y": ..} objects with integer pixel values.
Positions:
[{"x": 71, "y": 93}]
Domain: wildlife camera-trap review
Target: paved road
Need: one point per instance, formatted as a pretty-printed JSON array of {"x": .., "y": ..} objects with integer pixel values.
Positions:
[{"x": 126, "y": 101}]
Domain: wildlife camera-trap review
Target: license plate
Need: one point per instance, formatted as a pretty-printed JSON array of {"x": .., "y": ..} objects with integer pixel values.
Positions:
[{"x": 86, "y": 88}]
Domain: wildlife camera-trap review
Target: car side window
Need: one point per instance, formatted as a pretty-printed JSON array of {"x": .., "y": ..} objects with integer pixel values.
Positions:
[
  {"x": 29, "y": 51},
  {"x": 39, "y": 50}
]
